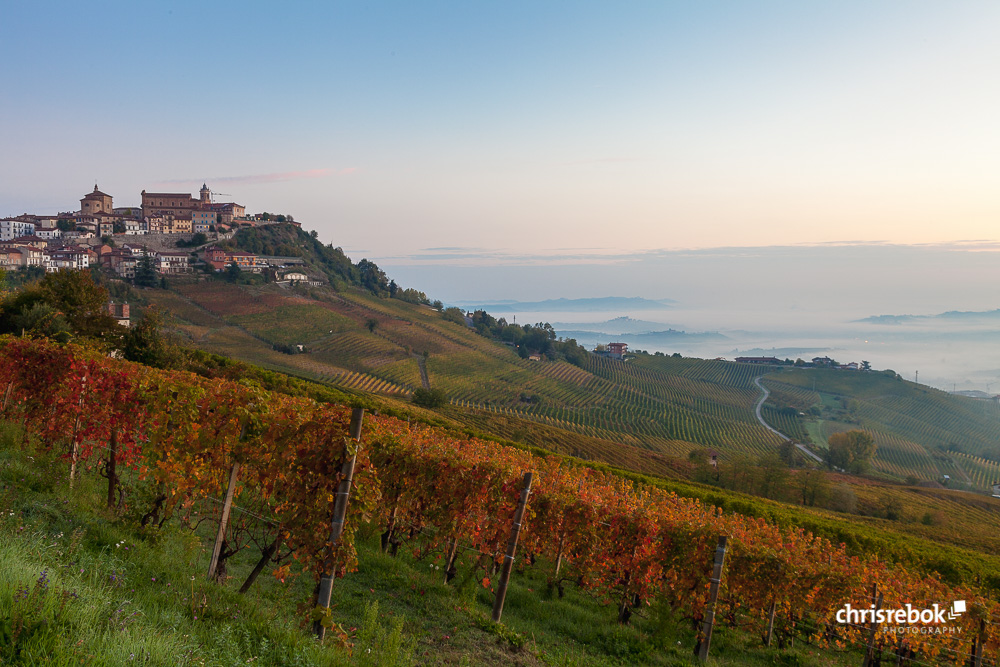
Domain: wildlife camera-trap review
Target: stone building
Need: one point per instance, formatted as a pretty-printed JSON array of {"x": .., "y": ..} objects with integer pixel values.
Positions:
[{"x": 96, "y": 202}]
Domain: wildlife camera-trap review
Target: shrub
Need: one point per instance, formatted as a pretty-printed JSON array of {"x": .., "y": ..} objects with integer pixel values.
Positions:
[{"x": 429, "y": 398}]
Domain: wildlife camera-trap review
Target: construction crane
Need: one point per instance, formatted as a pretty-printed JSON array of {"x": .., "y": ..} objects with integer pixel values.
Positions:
[{"x": 218, "y": 194}]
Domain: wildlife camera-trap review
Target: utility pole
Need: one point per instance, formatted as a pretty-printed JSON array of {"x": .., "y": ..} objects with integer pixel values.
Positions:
[{"x": 916, "y": 379}]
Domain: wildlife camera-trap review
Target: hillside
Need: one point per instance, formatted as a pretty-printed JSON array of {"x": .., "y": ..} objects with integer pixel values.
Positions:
[
  {"x": 656, "y": 405},
  {"x": 626, "y": 549},
  {"x": 920, "y": 431},
  {"x": 630, "y": 414}
]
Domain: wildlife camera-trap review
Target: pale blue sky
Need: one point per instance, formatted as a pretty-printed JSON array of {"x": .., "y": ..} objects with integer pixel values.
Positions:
[{"x": 518, "y": 126}]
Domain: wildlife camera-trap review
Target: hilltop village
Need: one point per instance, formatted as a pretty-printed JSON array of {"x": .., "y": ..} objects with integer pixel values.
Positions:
[{"x": 121, "y": 239}]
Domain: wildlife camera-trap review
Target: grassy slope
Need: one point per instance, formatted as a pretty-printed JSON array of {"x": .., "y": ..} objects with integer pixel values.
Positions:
[{"x": 116, "y": 595}]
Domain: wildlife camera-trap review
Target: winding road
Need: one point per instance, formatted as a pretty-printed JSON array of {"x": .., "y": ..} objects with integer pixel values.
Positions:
[{"x": 760, "y": 418}]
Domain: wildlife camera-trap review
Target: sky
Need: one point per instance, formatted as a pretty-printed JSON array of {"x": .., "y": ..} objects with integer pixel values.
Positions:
[{"x": 464, "y": 146}]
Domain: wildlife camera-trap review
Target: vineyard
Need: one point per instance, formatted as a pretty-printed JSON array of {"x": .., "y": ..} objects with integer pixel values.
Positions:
[
  {"x": 667, "y": 406},
  {"x": 627, "y": 544},
  {"x": 920, "y": 432},
  {"x": 664, "y": 405}
]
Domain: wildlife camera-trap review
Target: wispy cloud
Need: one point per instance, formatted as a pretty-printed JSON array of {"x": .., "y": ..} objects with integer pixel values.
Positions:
[
  {"x": 470, "y": 256},
  {"x": 477, "y": 256},
  {"x": 605, "y": 160},
  {"x": 256, "y": 179}
]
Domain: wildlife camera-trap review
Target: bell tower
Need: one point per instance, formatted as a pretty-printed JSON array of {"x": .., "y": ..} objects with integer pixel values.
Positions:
[{"x": 206, "y": 194}]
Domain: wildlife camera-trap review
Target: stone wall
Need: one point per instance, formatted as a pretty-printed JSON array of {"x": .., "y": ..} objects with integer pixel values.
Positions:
[{"x": 164, "y": 242}]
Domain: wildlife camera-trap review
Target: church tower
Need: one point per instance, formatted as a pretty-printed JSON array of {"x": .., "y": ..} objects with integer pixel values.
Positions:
[
  {"x": 206, "y": 194},
  {"x": 95, "y": 202}
]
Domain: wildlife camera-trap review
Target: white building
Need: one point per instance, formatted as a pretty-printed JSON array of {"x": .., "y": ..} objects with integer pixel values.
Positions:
[
  {"x": 173, "y": 262},
  {"x": 12, "y": 229},
  {"x": 68, "y": 258},
  {"x": 49, "y": 234}
]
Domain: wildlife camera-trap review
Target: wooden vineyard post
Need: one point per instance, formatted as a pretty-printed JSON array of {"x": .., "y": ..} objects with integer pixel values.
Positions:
[
  {"x": 112, "y": 477},
  {"x": 873, "y": 629},
  {"x": 75, "y": 446},
  {"x": 977, "y": 650},
  {"x": 713, "y": 596},
  {"x": 562, "y": 532},
  {"x": 770, "y": 625},
  {"x": 220, "y": 536},
  {"x": 449, "y": 561},
  {"x": 6, "y": 397},
  {"x": 337, "y": 524},
  {"x": 508, "y": 559}
]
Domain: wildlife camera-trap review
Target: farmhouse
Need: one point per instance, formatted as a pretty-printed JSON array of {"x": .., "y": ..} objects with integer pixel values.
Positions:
[
  {"x": 758, "y": 360},
  {"x": 617, "y": 350}
]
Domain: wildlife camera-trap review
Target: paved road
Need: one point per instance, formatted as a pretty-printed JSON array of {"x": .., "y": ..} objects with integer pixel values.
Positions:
[{"x": 760, "y": 418}]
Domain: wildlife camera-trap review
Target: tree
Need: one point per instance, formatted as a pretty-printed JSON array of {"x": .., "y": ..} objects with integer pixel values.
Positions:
[
  {"x": 852, "y": 451},
  {"x": 453, "y": 314},
  {"x": 774, "y": 475},
  {"x": 429, "y": 398},
  {"x": 790, "y": 454},
  {"x": 145, "y": 272},
  {"x": 371, "y": 324},
  {"x": 81, "y": 301},
  {"x": 865, "y": 366},
  {"x": 118, "y": 227},
  {"x": 814, "y": 486},
  {"x": 373, "y": 278},
  {"x": 145, "y": 343},
  {"x": 843, "y": 499},
  {"x": 233, "y": 273},
  {"x": 41, "y": 319}
]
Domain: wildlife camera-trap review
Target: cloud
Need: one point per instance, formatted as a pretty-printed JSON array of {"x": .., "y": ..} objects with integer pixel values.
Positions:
[
  {"x": 255, "y": 179},
  {"x": 467, "y": 256},
  {"x": 605, "y": 160},
  {"x": 477, "y": 256}
]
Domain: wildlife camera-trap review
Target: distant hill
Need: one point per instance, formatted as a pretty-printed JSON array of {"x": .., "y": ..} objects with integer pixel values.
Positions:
[
  {"x": 596, "y": 304},
  {"x": 963, "y": 315},
  {"x": 617, "y": 325},
  {"x": 643, "y": 340}
]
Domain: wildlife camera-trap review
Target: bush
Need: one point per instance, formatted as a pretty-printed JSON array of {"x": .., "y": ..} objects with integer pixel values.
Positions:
[
  {"x": 843, "y": 499},
  {"x": 429, "y": 398}
]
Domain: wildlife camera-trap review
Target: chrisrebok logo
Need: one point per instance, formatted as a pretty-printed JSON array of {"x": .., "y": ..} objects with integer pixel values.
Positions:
[{"x": 906, "y": 619}]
